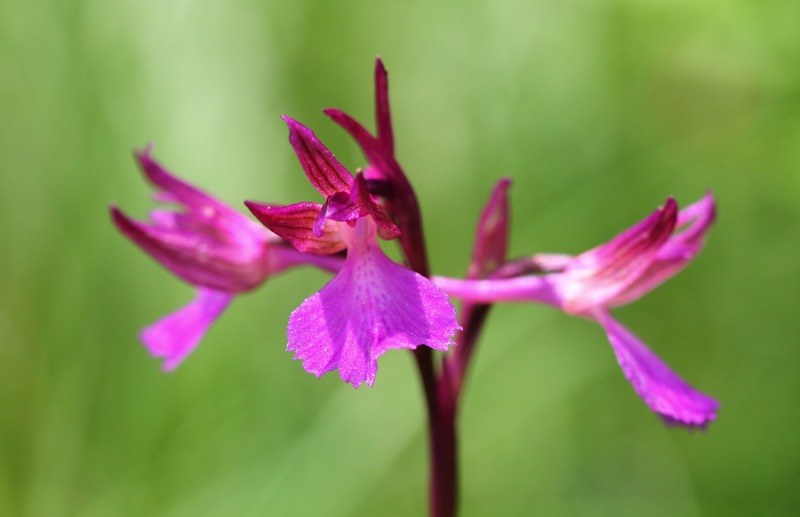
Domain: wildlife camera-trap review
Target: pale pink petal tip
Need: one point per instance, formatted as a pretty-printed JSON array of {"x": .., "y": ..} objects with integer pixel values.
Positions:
[
  {"x": 176, "y": 336},
  {"x": 371, "y": 306},
  {"x": 660, "y": 388}
]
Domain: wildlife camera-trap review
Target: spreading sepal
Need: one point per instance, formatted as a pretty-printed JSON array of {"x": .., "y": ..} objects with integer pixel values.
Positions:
[{"x": 298, "y": 224}]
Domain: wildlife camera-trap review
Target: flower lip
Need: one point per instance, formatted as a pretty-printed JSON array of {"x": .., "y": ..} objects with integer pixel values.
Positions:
[{"x": 370, "y": 306}]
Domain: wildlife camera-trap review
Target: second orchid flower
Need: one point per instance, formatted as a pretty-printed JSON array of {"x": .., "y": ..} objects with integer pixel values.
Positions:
[{"x": 610, "y": 275}]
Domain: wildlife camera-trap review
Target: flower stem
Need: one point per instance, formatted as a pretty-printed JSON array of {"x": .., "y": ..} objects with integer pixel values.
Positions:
[
  {"x": 442, "y": 442},
  {"x": 444, "y": 452}
]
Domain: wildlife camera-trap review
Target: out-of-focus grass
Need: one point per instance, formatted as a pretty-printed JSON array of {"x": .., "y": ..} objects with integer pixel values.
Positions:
[{"x": 598, "y": 110}]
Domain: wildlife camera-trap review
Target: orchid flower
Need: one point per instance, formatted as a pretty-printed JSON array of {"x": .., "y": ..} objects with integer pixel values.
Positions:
[
  {"x": 208, "y": 245},
  {"x": 373, "y": 304},
  {"x": 615, "y": 273}
]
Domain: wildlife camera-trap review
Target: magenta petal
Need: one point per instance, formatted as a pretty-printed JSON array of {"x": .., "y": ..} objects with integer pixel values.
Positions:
[
  {"x": 372, "y": 305},
  {"x": 374, "y": 147},
  {"x": 370, "y": 145},
  {"x": 204, "y": 214},
  {"x": 206, "y": 242},
  {"x": 295, "y": 223},
  {"x": 694, "y": 223},
  {"x": 383, "y": 115},
  {"x": 660, "y": 388},
  {"x": 195, "y": 255},
  {"x": 698, "y": 216},
  {"x": 596, "y": 276},
  {"x": 323, "y": 170},
  {"x": 491, "y": 236},
  {"x": 360, "y": 195},
  {"x": 341, "y": 207},
  {"x": 173, "y": 189},
  {"x": 175, "y": 336}
]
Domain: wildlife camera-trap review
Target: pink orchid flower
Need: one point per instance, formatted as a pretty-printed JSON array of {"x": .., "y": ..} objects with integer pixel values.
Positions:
[
  {"x": 208, "y": 245},
  {"x": 373, "y": 304},
  {"x": 615, "y": 273}
]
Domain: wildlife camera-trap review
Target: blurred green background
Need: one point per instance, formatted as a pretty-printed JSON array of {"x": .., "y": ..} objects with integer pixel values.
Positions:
[{"x": 597, "y": 109}]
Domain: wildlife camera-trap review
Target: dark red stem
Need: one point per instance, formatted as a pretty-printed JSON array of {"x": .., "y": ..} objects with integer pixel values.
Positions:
[{"x": 440, "y": 399}]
